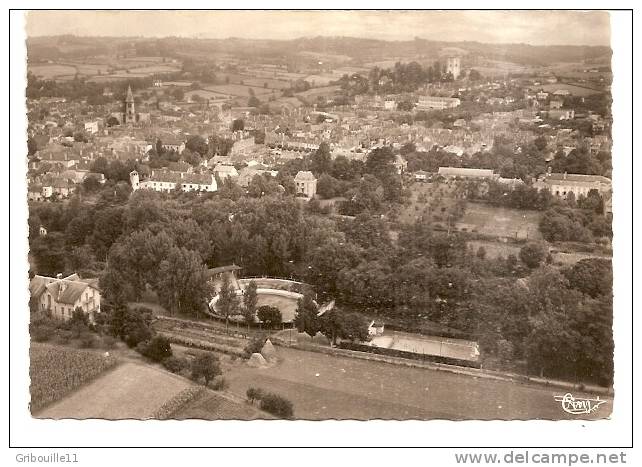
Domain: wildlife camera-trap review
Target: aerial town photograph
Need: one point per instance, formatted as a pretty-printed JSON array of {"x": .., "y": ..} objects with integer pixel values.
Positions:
[{"x": 318, "y": 223}]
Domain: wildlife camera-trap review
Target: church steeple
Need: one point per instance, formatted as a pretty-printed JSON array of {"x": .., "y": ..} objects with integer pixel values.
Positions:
[
  {"x": 130, "y": 112},
  {"x": 130, "y": 96}
]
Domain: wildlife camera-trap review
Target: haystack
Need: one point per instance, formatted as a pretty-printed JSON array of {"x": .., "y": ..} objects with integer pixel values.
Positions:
[
  {"x": 268, "y": 351},
  {"x": 257, "y": 361}
]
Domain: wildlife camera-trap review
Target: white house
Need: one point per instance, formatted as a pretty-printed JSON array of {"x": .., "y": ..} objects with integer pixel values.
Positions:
[
  {"x": 224, "y": 171},
  {"x": 306, "y": 183},
  {"x": 61, "y": 296},
  {"x": 421, "y": 175},
  {"x": 375, "y": 328}
]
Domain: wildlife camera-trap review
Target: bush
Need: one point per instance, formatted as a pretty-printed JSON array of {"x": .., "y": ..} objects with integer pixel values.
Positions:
[
  {"x": 63, "y": 336},
  {"x": 255, "y": 345},
  {"x": 219, "y": 384},
  {"x": 254, "y": 394},
  {"x": 157, "y": 349},
  {"x": 87, "y": 340},
  {"x": 277, "y": 405},
  {"x": 176, "y": 364},
  {"x": 109, "y": 342},
  {"x": 205, "y": 366},
  {"x": 42, "y": 332}
]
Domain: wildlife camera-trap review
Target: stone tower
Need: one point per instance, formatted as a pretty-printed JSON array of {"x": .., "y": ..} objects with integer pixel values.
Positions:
[
  {"x": 135, "y": 181},
  {"x": 453, "y": 65},
  {"x": 130, "y": 112}
]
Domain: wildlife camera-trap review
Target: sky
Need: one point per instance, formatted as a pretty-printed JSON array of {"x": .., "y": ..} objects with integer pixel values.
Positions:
[{"x": 530, "y": 27}]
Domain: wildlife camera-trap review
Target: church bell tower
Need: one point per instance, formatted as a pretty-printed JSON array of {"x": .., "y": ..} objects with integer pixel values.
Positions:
[{"x": 130, "y": 113}]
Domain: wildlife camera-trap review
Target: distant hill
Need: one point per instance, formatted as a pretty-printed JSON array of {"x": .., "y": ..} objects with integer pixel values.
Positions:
[{"x": 359, "y": 50}]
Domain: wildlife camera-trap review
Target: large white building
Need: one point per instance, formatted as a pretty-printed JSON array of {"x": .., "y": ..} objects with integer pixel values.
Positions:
[
  {"x": 167, "y": 180},
  {"x": 437, "y": 103},
  {"x": 561, "y": 184}
]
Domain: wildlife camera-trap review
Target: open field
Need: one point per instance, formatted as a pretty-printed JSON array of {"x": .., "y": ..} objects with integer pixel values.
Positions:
[
  {"x": 321, "y": 80},
  {"x": 55, "y": 371},
  {"x": 209, "y": 95},
  {"x": 499, "y": 68},
  {"x": 104, "y": 68},
  {"x": 130, "y": 391},
  {"x": 312, "y": 94},
  {"x": 153, "y": 69},
  {"x": 501, "y": 222},
  {"x": 52, "y": 71},
  {"x": 348, "y": 388},
  {"x": 257, "y": 80},
  {"x": 239, "y": 90}
]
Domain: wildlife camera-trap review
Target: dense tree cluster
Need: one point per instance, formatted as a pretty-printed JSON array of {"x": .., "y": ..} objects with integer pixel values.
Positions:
[{"x": 165, "y": 242}]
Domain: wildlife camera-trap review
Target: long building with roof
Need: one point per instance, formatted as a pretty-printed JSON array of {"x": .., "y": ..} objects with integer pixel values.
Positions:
[
  {"x": 561, "y": 184},
  {"x": 167, "y": 180}
]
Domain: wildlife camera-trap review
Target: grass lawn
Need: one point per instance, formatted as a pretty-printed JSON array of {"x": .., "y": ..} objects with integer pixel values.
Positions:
[
  {"x": 327, "y": 387},
  {"x": 501, "y": 222},
  {"x": 129, "y": 391}
]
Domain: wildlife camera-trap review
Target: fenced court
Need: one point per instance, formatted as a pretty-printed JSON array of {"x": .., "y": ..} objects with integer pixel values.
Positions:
[{"x": 428, "y": 345}]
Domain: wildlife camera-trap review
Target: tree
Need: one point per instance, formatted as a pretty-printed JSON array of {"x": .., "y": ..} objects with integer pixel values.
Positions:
[
  {"x": 250, "y": 299},
  {"x": 228, "y": 303},
  {"x": 197, "y": 144},
  {"x": 305, "y": 318},
  {"x": 337, "y": 324},
  {"x": 112, "y": 121},
  {"x": 481, "y": 252},
  {"x": 592, "y": 276},
  {"x": 182, "y": 281},
  {"x": 80, "y": 137},
  {"x": 158, "y": 349},
  {"x": 178, "y": 94},
  {"x": 270, "y": 316},
  {"x": 206, "y": 366},
  {"x": 321, "y": 160},
  {"x": 238, "y": 125},
  {"x": 532, "y": 254},
  {"x": 474, "y": 75}
]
